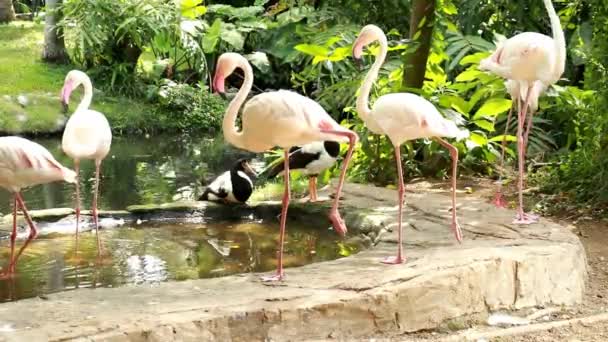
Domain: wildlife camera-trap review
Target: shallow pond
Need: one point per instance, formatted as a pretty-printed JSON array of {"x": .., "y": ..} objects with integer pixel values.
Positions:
[
  {"x": 154, "y": 170},
  {"x": 162, "y": 252}
]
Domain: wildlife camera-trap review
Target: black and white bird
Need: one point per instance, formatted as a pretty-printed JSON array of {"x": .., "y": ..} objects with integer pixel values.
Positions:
[
  {"x": 312, "y": 159},
  {"x": 232, "y": 186}
]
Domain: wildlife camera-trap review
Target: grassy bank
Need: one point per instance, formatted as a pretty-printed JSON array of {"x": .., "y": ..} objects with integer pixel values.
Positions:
[{"x": 24, "y": 74}]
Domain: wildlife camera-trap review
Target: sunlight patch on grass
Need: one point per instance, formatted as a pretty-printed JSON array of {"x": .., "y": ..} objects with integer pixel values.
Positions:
[{"x": 24, "y": 73}]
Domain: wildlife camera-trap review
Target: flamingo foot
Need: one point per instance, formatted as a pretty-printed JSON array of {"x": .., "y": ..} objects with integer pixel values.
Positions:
[
  {"x": 272, "y": 278},
  {"x": 499, "y": 201},
  {"x": 525, "y": 218},
  {"x": 393, "y": 260},
  {"x": 457, "y": 231},
  {"x": 337, "y": 222}
]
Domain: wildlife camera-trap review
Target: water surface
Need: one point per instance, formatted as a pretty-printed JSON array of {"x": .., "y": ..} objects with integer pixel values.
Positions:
[
  {"x": 138, "y": 170},
  {"x": 157, "y": 253}
]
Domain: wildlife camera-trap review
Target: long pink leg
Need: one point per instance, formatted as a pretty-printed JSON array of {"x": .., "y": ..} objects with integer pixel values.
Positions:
[
  {"x": 95, "y": 194},
  {"x": 77, "y": 170},
  {"x": 279, "y": 275},
  {"x": 33, "y": 231},
  {"x": 313, "y": 188},
  {"x": 454, "y": 154},
  {"x": 399, "y": 258},
  {"x": 11, "y": 264},
  {"x": 334, "y": 215},
  {"x": 522, "y": 218},
  {"x": 498, "y": 200}
]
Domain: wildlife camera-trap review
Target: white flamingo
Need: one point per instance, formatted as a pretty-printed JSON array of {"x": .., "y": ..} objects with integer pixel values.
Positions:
[
  {"x": 403, "y": 117},
  {"x": 279, "y": 118},
  {"x": 514, "y": 91},
  {"x": 527, "y": 58},
  {"x": 87, "y": 135},
  {"x": 24, "y": 163}
]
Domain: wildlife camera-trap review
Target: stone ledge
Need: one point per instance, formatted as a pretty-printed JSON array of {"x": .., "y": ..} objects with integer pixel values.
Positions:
[{"x": 498, "y": 266}]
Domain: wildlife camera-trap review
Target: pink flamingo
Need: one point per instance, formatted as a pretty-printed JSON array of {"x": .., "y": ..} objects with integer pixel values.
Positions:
[
  {"x": 403, "y": 117},
  {"x": 528, "y": 58},
  {"x": 279, "y": 118},
  {"x": 514, "y": 91},
  {"x": 24, "y": 163},
  {"x": 87, "y": 135}
]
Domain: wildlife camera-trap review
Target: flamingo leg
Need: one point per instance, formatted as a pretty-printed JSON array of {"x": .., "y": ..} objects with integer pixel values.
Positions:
[
  {"x": 95, "y": 194},
  {"x": 279, "y": 275},
  {"x": 522, "y": 217},
  {"x": 77, "y": 170},
  {"x": 33, "y": 230},
  {"x": 454, "y": 154},
  {"x": 399, "y": 258},
  {"x": 11, "y": 265},
  {"x": 334, "y": 215},
  {"x": 499, "y": 200}
]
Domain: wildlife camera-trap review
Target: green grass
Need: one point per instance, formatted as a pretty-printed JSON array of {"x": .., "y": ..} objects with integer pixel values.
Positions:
[{"x": 24, "y": 73}]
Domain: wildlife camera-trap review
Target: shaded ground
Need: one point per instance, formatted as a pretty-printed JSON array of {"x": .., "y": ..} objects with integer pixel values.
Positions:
[{"x": 594, "y": 236}]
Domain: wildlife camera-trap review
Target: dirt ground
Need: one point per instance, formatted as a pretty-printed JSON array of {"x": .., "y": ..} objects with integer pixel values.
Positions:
[{"x": 594, "y": 236}]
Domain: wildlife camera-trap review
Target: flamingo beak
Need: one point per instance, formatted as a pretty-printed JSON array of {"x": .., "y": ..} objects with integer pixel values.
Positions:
[
  {"x": 357, "y": 53},
  {"x": 66, "y": 91},
  {"x": 218, "y": 83}
]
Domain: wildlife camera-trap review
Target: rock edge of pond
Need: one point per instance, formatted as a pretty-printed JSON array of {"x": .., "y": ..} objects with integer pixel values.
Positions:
[{"x": 443, "y": 285}]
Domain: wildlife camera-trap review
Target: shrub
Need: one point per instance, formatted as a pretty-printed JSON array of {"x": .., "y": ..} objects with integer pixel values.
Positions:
[{"x": 187, "y": 108}]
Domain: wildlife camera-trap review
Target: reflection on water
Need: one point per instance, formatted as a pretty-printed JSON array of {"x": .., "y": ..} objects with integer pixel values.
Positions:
[
  {"x": 165, "y": 252},
  {"x": 137, "y": 170}
]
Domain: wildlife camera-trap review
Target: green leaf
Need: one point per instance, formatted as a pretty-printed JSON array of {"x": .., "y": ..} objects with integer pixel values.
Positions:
[
  {"x": 499, "y": 138},
  {"x": 313, "y": 50},
  {"x": 474, "y": 58},
  {"x": 212, "y": 36},
  {"x": 192, "y": 9},
  {"x": 476, "y": 140},
  {"x": 493, "y": 107},
  {"x": 260, "y": 61},
  {"x": 484, "y": 124},
  {"x": 232, "y": 36}
]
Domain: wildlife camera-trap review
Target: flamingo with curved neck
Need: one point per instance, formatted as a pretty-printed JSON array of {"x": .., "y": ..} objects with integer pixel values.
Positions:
[
  {"x": 403, "y": 117},
  {"x": 87, "y": 135},
  {"x": 531, "y": 60},
  {"x": 284, "y": 119}
]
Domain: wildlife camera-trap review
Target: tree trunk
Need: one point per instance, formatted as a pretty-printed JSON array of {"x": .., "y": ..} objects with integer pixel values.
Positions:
[
  {"x": 414, "y": 63},
  {"x": 7, "y": 12},
  {"x": 54, "y": 44}
]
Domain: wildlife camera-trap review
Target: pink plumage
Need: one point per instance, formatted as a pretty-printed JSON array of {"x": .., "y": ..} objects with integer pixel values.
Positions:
[
  {"x": 530, "y": 62},
  {"x": 402, "y": 117},
  {"x": 279, "y": 118},
  {"x": 24, "y": 163}
]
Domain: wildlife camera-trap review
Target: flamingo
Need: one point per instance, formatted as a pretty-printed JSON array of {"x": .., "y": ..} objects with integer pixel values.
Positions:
[
  {"x": 514, "y": 91},
  {"x": 403, "y": 117},
  {"x": 527, "y": 58},
  {"x": 284, "y": 119},
  {"x": 87, "y": 135},
  {"x": 24, "y": 163}
]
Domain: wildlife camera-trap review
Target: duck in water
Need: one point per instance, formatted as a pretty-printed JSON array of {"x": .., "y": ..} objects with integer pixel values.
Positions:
[
  {"x": 312, "y": 159},
  {"x": 232, "y": 186}
]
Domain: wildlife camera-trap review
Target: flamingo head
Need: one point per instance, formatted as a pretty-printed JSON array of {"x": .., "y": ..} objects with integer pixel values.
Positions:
[
  {"x": 368, "y": 34},
  {"x": 226, "y": 64},
  {"x": 73, "y": 79}
]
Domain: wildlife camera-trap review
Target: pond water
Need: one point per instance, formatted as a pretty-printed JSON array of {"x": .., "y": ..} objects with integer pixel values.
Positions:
[
  {"x": 153, "y": 170},
  {"x": 162, "y": 252}
]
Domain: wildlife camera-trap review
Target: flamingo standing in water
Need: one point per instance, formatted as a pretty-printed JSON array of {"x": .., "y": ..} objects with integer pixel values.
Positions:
[
  {"x": 279, "y": 118},
  {"x": 24, "y": 163},
  {"x": 513, "y": 90},
  {"x": 528, "y": 58},
  {"x": 403, "y": 117},
  {"x": 87, "y": 135}
]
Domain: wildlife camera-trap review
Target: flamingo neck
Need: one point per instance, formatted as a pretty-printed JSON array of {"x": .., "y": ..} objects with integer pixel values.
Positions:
[
  {"x": 87, "y": 97},
  {"x": 366, "y": 87},
  {"x": 559, "y": 41},
  {"x": 231, "y": 133}
]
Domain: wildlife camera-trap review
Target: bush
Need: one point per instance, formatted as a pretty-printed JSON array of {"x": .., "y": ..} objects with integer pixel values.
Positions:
[{"x": 187, "y": 108}]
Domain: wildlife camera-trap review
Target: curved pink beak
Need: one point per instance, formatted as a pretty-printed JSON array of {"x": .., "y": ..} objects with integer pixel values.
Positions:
[
  {"x": 66, "y": 91},
  {"x": 218, "y": 83},
  {"x": 357, "y": 53}
]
